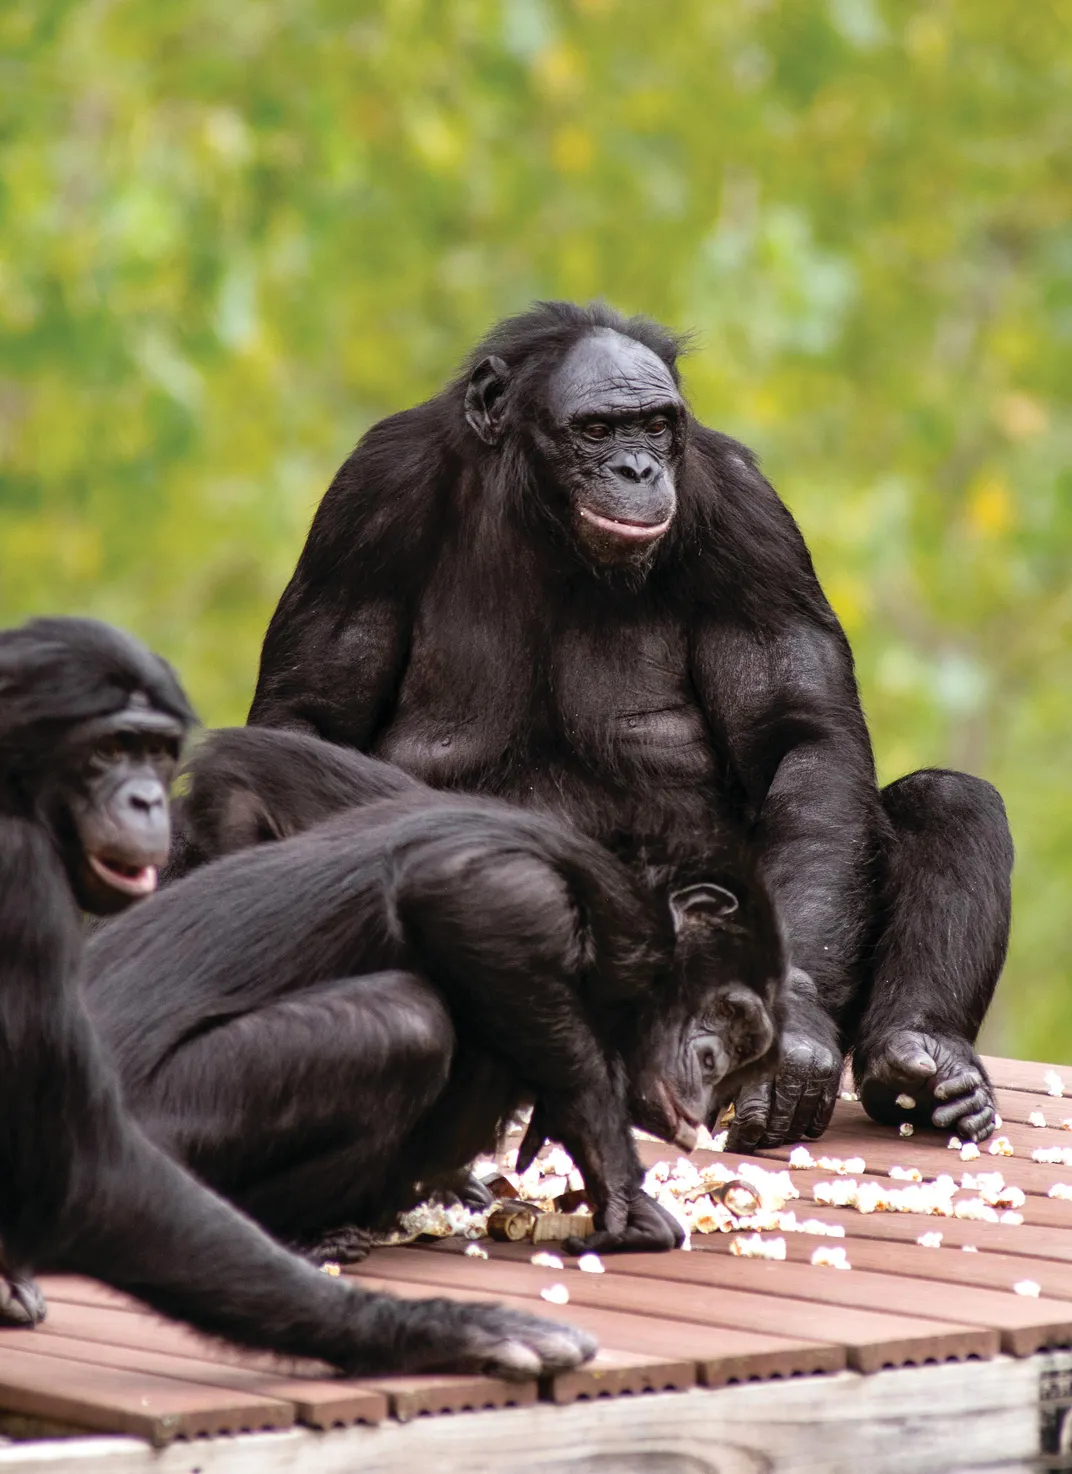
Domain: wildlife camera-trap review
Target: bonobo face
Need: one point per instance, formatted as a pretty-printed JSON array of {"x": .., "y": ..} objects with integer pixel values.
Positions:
[
  {"x": 106, "y": 801},
  {"x": 716, "y": 1019},
  {"x": 617, "y": 439}
]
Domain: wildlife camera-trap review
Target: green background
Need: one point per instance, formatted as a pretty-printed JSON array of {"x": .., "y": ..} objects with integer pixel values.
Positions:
[{"x": 233, "y": 235}]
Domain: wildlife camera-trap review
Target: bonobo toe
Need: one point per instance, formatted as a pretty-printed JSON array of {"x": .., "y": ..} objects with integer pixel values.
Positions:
[
  {"x": 513, "y": 1344},
  {"x": 943, "y": 1077},
  {"x": 21, "y": 1302}
]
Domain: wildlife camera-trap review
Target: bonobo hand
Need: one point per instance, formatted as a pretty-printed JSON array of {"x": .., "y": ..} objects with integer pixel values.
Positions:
[
  {"x": 496, "y": 1341},
  {"x": 21, "y": 1302},
  {"x": 942, "y": 1074},
  {"x": 648, "y": 1229},
  {"x": 798, "y": 1103}
]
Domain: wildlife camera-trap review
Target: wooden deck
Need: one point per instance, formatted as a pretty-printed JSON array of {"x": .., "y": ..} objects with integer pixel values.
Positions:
[{"x": 986, "y": 1360}]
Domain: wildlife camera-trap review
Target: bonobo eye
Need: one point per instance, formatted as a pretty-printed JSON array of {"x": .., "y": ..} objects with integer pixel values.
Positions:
[
  {"x": 658, "y": 427},
  {"x": 708, "y": 1063},
  {"x": 597, "y": 430},
  {"x": 109, "y": 748}
]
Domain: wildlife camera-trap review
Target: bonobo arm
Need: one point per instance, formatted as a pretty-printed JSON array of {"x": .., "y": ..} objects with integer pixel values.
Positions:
[
  {"x": 337, "y": 644},
  {"x": 785, "y": 710}
]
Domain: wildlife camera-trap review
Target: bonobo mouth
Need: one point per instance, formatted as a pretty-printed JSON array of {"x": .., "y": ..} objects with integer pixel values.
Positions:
[
  {"x": 675, "y": 1124},
  {"x": 632, "y": 532},
  {"x": 130, "y": 880}
]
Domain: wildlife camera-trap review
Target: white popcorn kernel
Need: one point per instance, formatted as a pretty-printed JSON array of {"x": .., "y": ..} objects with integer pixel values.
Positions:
[
  {"x": 474, "y": 1251},
  {"x": 1036, "y": 1118},
  {"x": 752, "y": 1246},
  {"x": 817, "y": 1228},
  {"x": 1027, "y": 1287},
  {"x": 591, "y": 1264},
  {"x": 1012, "y": 1219},
  {"x": 954, "y": 1144},
  {"x": 930, "y": 1241},
  {"x": 543, "y": 1260},
  {"x": 969, "y": 1152},
  {"x": 1062, "y": 1190},
  {"x": 1054, "y": 1155},
  {"x": 832, "y": 1258},
  {"x": 849, "y": 1095},
  {"x": 555, "y": 1295},
  {"x": 801, "y": 1157},
  {"x": 975, "y": 1209},
  {"x": 968, "y": 1249},
  {"x": 328, "y": 1267},
  {"x": 1001, "y": 1146},
  {"x": 718, "y": 1141},
  {"x": 906, "y": 1129},
  {"x": 906, "y": 1174},
  {"x": 854, "y": 1164},
  {"x": 1052, "y": 1081},
  {"x": 905, "y": 1102},
  {"x": 998, "y": 1122}
]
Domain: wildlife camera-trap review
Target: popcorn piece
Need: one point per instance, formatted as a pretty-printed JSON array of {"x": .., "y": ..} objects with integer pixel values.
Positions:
[
  {"x": 968, "y": 1249},
  {"x": 1062, "y": 1190},
  {"x": 1027, "y": 1287},
  {"x": 819, "y": 1229},
  {"x": 543, "y": 1260},
  {"x": 328, "y": 1267},
  {"x": 1036, "y": 1118},
  {"x": 1052, "y": 1081},
  {"x": 801, "y": 1157},
  {"x": 976, "y": 1210},
  {"x": 831, "y": 1258},
  {"x": 718, "y": 1142},
  {"x": 998, "y": 1122},
  {"x": 1012, "y": 1219},
  {"x": 953, "y": 1144},
  {"x": 1055, "y": 1155},
  {"x": 906, "y": 1174},
  {"x": 751, "y": 1246},
  {"x": 905, "y": 1102},
  {"x": 930, "y": 1241},
  {"x": 1001, "y": 1146},
  {"x": 474, "y": 1251},
  {"x": 555, "y": 1295},
  {"x": 969, "y": 1152},
  {"x": 591, "y": 1264},
  {"x": 849, "y": 1095},
  {"x": 906, "y": 1128}
]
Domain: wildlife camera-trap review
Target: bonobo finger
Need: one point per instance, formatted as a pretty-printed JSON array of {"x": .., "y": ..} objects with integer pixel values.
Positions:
[
  {"x": 979, "y": 1126},
  {"x": 513, "y": 1344},
  {"x": 532, "y": 1141},
  {"x": 750, "y": 1112},
  {"x": 961, "y": 1084},
  {"x": 903, "y": 1059},
  {"x": 947, "y": 1115},
  {"x": 823, "y": 1109}
]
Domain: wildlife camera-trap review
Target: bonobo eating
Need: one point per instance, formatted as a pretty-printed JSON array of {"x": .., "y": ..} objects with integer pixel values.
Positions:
[
  {"x": 551, "y": 584},
  {"x": 323, "y": 1026},
  {"x": 90, "y": 728}
]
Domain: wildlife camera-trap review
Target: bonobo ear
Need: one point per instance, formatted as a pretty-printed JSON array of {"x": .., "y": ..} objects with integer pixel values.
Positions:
[
  {"x": 483, "y": 398},
  {"x": 703, "y": 904}
]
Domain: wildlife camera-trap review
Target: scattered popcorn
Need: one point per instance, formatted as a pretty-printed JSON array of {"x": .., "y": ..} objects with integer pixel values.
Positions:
[
  {"x": 849, "y": 1095},
  {"x": 906, "y": 1174},
  {"x": 816, "y": 1227},
  {"x": 751, "y": 1246},
  {"x": 1001, "y": 1146},
  {"x": 1054, "y": 1155},
  {"x": 543, "y": 1260},
  {"x": 976, "y": 1210},
  {"x": 905, "y": 1102},
  {"x": 474, "y": 1251},
  {"x": 555, "y": 1295},
  {"x": 871, "y": 1197},
  {"x": 329, "y": 1268},
  {"x": 718, "y": 1142},
  {"x": 706, "y": 1142},
  {"x": 1062, "y": 1190},
  {"x": 591, "y": 1264},
  {"x": 434, "y": 1219},
  {"x": 906, "y": 1128},
  {"x": 1066, "y": 1124},
  {"x": 968, "y": 1249},
  {"x": 1012, "y": 1219},
  {"x": 1036, "y": 1118},
  {"x": 831, "y": 1258},
  {"x": 801, "y": 1157},
  {"x": 969, "y": 1152},
  {"x": 954, "y": 1144},
  {"x": 1052, "y": 1081},
  {"x": 1027, "y": 1287},
  {"x": 930, "y": 1241}
]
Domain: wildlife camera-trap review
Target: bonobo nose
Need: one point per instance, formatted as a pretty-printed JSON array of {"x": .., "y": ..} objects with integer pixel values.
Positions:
[
  {"x": 143, "y": 798},
  {"x": 635, "y": 466}
]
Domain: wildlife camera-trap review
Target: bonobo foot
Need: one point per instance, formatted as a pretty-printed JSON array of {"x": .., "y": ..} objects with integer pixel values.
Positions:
[
  {"x": 347, "y": 1244},
  {"x": 647, "y": 1229},
  {"x": 797, "y": 1104},
  {"x": 449, "y": 1337},
  {"x": 942, "y": 1074},
  {"x": 21, "y": 1302},
  {"x": 461, "y": 1187}
]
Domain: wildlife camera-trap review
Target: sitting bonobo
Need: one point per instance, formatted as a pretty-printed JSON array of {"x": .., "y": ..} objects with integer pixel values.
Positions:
[
  {"x": 552, "y": 584},
  {"x": 323, "y": 1026},
  {"x": 90, "y": 728}
]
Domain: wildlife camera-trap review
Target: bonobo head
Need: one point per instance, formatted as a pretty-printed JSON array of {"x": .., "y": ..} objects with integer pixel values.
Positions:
[
  {"x": 591, "y": 402},
  {"x": 91, "y": 723},
  {"x": 715, "y": 1019}
]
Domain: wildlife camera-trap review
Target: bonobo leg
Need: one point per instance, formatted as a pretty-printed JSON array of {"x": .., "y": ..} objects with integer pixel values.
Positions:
[
  {"x": 298, "y": 1113},
  {"x": 939, "y": 955},
  {"x": 500, "y": 933}
]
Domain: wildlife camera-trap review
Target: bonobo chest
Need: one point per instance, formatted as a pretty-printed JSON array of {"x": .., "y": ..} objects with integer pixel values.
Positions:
[{"x": 510, "y": 698}]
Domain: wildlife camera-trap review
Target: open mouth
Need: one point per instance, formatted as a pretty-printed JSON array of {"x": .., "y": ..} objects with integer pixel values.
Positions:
[
  {"x": 683, "y": 1125},
  {"x": 130, "y": 880},
  {"x": 637, "y": 532}
]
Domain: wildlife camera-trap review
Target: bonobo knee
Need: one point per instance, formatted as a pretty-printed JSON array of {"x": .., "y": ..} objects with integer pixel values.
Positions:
[
  {"x": 417, "y": 1028},
  {"x": 942, "y": 796}
]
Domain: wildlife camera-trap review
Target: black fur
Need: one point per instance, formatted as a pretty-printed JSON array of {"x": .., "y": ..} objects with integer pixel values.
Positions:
[
  {"x": 446, "y": 615},
  {"x": 323, "y": 1026},
  {"x": 83, "y": 1188}
]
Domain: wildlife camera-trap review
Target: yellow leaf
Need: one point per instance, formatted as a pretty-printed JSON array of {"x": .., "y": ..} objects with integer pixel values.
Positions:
[{"x": 990, "y": 507}]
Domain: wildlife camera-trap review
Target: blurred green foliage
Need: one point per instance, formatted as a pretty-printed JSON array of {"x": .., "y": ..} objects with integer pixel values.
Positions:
[{"x": 232, "y": 235}]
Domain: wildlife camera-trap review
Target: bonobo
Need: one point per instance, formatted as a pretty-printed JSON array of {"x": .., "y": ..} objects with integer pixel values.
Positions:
[
  {"x": 90, "y": 727},
  {"x": 321, "y": 1026},
  {"x": 552, "y": 584}
]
